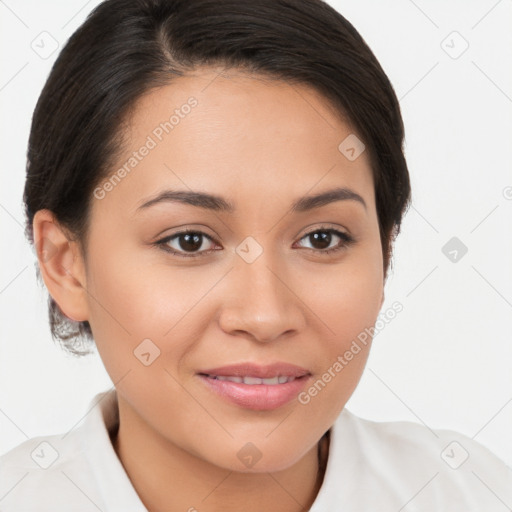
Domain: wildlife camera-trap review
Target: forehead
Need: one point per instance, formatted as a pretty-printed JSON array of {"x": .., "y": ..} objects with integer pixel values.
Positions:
[{"x": 243, "y": 136}]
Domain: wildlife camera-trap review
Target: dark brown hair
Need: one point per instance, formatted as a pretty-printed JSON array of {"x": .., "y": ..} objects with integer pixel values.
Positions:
[{"x": 127, "y": 47}]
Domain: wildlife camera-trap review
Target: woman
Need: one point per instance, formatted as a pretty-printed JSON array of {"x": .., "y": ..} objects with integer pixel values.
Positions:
[{"x": 213, "y": 189}]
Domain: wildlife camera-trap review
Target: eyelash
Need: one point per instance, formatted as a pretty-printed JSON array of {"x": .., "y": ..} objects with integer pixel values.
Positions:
[{"x": 347, "y": 240}]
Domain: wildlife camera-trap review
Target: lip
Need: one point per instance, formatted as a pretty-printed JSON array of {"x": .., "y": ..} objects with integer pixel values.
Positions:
[{"x": 258, "y": 397}]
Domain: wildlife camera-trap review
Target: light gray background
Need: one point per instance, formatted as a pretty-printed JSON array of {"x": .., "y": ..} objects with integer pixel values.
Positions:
[{"x": 445, "y": 359}]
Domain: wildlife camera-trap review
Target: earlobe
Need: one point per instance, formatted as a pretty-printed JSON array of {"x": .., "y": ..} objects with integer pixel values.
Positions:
[{"x": 61, "y": 265}]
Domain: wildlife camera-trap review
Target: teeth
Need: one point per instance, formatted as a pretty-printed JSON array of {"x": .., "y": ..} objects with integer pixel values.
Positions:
[
  {"x": 231, "y": 379},
  {"x": 252, "y": 380},
  {"x": 281, "y": 379}
]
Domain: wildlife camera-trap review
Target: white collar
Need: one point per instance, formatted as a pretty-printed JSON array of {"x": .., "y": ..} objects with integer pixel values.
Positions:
[{"x": 106, "y": 468}]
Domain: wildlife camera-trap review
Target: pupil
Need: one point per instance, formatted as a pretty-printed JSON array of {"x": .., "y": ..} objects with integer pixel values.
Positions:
[
  {"x": 192, "y": 241},
  {"x": 322, "y": 237}
]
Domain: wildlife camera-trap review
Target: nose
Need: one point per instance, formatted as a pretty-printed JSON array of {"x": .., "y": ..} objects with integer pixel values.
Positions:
[{"x": 260, "y": 302}]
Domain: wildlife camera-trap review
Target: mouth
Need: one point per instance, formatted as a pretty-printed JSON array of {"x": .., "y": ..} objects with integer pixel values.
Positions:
[{"x": 256, "y": 387}]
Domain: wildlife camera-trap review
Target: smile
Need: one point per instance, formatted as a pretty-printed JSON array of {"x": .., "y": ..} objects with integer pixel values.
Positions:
[{"x": 256, "y": 387}]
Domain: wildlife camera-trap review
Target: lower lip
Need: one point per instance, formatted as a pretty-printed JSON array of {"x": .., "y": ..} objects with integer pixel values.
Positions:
[{"x": 259, "y": 397}]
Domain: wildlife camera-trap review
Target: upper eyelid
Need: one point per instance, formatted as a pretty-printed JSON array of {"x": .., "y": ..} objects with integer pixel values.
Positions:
[{"x": 211, "y": 237}]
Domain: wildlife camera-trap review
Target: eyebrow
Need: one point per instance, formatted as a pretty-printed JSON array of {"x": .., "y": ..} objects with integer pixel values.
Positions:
[{"x": 219, "y": 204}]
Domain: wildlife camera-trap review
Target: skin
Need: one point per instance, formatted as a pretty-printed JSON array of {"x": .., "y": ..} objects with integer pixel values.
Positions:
[{"x": 261, "y": 145}]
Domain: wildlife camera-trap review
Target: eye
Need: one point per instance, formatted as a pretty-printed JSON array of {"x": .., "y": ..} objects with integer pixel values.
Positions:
[
  {"x": 323, "y": 237},
  {"x": 190, "y": 243},
  {"x": 187, "y": 241}
]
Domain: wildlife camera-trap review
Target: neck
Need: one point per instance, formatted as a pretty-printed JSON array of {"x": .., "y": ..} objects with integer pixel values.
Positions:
[{"x": 166, "y": 477}]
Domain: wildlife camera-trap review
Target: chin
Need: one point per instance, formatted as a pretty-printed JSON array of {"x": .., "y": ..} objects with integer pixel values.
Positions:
[{"x": 274, "y": 457}]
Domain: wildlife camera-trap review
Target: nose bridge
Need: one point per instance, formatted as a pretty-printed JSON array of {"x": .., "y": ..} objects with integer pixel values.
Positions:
[
  {"x": 262, "y": 285},
  {"x": 260, "y": 302}
]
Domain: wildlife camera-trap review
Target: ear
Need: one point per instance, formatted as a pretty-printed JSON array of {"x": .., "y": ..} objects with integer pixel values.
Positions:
[{"x": 61, "y": 265}]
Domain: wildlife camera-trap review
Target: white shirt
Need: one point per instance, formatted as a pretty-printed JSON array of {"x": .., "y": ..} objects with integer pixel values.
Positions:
[{"x": 372, "y": 466}]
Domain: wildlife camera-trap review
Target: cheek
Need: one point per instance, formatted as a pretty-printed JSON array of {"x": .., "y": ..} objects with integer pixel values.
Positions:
[
  {"x": 133, "y": 299},
  {"x": 347, "y": 302},
  {"x": 347, "y": 298}
]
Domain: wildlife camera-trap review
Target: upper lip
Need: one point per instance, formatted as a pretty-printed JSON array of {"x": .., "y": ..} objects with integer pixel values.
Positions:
[{"x": 256, "y": 370}]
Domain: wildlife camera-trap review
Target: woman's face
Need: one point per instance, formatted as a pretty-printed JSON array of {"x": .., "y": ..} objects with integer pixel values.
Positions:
[{"x": 252, "y": 286}]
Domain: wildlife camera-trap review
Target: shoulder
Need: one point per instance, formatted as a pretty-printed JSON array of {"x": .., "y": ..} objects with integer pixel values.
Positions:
[
  {"x": 435, "y": 467},
  {"x": 78, "y": 470},
  {"x": 41, "y": 452},
  {"x": 408, "y": 439},
  {"x": 411, "y": 439},
  {"x": 38, "y": 474}
]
